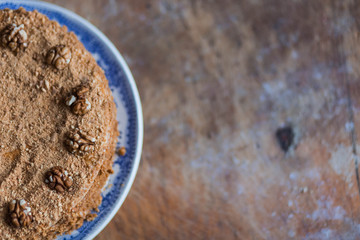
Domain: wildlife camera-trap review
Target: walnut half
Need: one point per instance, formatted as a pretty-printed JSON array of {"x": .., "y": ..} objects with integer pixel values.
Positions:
[
  {"x": 58, "y": 56},
  {"x": 80, "y": 143},
  {"x": 58, "y": 179},
  {"x": 14, "y": 37},
  {"x": 78, "y": 102},
  {"x": 20, "y": 213}
]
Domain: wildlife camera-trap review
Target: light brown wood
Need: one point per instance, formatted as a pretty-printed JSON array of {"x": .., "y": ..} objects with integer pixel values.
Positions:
[{"x": 217, "y": 79}]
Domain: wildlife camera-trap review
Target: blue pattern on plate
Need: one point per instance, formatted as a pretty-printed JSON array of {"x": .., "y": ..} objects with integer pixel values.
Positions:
[{"x": 117, "y": 78}]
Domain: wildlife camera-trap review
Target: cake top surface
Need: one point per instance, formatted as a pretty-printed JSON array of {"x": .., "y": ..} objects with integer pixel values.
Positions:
[{"x": 54, "y": 120}]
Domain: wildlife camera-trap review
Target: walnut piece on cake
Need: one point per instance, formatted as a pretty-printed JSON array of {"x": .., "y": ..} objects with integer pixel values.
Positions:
[
  {"x": 14, "y": 37},
  {"x": 79, "y": 142},
  {"x": 58, "y": 56},
  {"x": 20, "y": 213},
  {"x": 78, "y": 102},
  {"x": 58, "y": 179}
]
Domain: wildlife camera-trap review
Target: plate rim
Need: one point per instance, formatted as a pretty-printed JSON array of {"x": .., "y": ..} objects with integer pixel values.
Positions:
[{"x": 134, "y": 90}]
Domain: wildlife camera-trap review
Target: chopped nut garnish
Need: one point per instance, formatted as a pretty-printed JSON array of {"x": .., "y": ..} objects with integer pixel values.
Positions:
[
  {"x": 58, "y": 179},
  {"x": 20, "y": 213},
  {"x": 122, "y": 151},
  {"x": 78, "y": 102},
  {"x": 81, "y": 91},
  {"x": 14, "y": 37},
  {"x": 47, "y": 85},
  {"x": 80, "y": 143},
  {"x": 58, "y": 56}
]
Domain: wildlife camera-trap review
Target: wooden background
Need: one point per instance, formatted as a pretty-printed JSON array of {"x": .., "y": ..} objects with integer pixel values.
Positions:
[{"x": 217, "y": 79}]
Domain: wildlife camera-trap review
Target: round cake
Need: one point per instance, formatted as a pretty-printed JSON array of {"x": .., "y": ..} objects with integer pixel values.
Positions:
[{"x": 58, "y": 128}]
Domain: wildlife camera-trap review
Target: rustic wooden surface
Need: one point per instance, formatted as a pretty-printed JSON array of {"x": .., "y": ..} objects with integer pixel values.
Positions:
[{"x": 217, "y": 79}]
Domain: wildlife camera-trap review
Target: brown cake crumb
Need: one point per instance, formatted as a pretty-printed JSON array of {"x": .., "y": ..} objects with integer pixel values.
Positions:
[
  {"x": 122, "y": 151},
  {"x": 90, "y": 216}
]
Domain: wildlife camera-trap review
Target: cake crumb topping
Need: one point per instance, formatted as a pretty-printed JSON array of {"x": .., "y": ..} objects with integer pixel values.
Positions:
[
  {"x": 122, "y": 151},
  {"x": 35, "y": 124}
]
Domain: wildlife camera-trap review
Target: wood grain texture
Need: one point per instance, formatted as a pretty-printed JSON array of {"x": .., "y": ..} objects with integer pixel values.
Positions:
[{"x": 217, "y": 79}]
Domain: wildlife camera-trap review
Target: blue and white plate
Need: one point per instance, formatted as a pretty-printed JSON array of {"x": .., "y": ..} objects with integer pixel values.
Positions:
[{"x": 129, "y": 113}]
